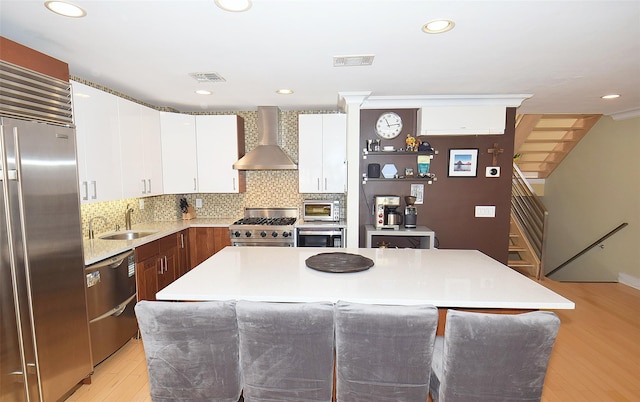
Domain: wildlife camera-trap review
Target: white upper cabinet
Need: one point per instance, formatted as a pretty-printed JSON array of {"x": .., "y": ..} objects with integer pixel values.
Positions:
[
  {"x": 217, "y": 138},
  {"x": 179, "y": 166},
  {"x": 140, "y": 147},
  {"x": 198, "y": 153},
  {"x": 96, "y": 119},
  {"x": 461, "y": 120},
  {"x": 322, "y": 153}
]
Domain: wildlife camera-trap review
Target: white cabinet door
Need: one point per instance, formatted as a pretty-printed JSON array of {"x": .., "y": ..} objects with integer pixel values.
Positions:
[
  {"x": 152, "y": 147},
  {"x": 131, "y": 149},
  {"x": 217, "y": 151},
  {"x": 310, "y": 153},
  {"x": 179, "y": 166},
  {"x": 334, "y": 153},
  {"x": 96, "y": 119},
  {"x": 322, "y": 153}
]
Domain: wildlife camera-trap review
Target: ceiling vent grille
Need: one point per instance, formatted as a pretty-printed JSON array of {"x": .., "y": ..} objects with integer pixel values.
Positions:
[
  {"x": 30, "y": 95},
  {"x": 207, "y": 77},
  {"x": 353, "y": 61}
]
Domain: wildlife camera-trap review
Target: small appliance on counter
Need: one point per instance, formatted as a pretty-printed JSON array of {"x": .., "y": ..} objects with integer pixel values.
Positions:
[
  {"x": 386, "y": 215},
  {"x": 321, "y": 210},
  {"x": 410, "y": 212}
]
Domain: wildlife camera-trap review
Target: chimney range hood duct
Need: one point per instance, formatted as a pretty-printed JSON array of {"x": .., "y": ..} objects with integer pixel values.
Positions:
[{"x": 267, "y": 155}]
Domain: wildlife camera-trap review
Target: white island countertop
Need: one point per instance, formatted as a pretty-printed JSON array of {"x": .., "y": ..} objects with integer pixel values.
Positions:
[{"x": 444, "y": 278}]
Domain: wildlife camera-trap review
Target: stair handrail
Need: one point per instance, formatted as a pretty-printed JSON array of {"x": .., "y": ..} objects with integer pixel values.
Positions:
[
  {"x": 530, "y": 212},
  {"x": 589, "y": 247}
]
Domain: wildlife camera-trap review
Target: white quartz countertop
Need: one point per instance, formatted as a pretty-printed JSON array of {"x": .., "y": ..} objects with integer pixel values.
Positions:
[
  {"x": 444, "y": 278},
  {"x": 97, "y": 249}
]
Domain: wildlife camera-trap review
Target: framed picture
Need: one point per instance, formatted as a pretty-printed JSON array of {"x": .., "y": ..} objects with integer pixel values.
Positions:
[{"x": 463, "y": 162}]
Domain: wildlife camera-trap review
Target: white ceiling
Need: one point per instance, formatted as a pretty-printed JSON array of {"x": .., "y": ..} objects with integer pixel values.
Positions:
[{"x": 566, "y": 53}]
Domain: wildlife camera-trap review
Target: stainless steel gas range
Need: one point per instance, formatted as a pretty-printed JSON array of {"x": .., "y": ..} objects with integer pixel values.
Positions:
[{"x": 265, "y": 227}]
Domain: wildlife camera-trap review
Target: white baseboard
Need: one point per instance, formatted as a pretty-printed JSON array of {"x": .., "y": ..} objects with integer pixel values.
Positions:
[{"x": 629, "y": 280}]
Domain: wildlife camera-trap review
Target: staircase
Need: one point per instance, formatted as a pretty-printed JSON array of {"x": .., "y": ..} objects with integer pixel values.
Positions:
[
  {"x": 522, "y": 257},
  {"x": 526, "y": 233},
  {"x": 543, "y": 140}
]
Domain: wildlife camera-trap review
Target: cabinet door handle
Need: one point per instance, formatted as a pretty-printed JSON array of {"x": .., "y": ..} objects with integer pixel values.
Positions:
[
  {"x": 325, "y": 184},
  {"x": 181, "y": 240},
  {"x": 166, "y": 264},
  {"x": 234, "y": 184},
  {"x": 149, "y": 180},
  {"x": 144, "y": 186},
  {"x": 95, "y": 190},
  {"x": 194, "y": 184},
  {"x": 161, "y": 267},
  {"x": 86, "y": 190},
  {"x": 318, "y": 184}
]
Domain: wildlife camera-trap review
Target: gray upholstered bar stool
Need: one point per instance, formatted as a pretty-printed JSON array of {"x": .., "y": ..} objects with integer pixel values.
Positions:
[
  {"x": 383, "y": 353},
  {"x": 286, "y": 350},
  {"x": 493, "y": 357},
  {"x": 191, "y": 350}
]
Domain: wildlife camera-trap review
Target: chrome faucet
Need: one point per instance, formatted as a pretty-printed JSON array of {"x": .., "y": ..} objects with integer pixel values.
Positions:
[
  {"x": 102, "y": 218},
  {"x": 127, "y": 217}
]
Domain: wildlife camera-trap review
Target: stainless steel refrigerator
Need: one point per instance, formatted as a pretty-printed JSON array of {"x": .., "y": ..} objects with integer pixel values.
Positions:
[{"x": 44, "y": 334}]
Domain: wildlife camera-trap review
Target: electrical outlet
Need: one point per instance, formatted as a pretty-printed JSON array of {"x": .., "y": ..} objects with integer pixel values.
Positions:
[
  {"x": 485, "y": 211},
  {"x": 492, "y": 171},
  {"x": 198, "y": 202},
  {"x": 141, "y": 203}
]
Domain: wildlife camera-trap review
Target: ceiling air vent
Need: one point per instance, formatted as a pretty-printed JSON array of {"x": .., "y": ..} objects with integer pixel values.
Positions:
[
  {"x": 352, "y": 61},
  {"x": 207, "y": 77}
]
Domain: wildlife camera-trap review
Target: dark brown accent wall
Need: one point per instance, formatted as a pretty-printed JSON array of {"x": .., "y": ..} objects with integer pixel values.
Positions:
[
  {"x": 449, "y": 203},
  {"x": 23, "y": 56}
]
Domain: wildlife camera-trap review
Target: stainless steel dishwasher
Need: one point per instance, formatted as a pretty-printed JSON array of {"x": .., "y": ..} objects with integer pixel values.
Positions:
[{"x": 111, "y": 297}]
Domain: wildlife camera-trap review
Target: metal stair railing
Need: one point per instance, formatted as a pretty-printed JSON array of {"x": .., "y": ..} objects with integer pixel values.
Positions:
[{"x": 529, "y": 212}]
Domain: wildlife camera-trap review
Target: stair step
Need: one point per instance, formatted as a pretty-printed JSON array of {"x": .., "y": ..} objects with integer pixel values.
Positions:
[
  {"x": 517, "y": 248},
  {"x": 519, "y": 263}
]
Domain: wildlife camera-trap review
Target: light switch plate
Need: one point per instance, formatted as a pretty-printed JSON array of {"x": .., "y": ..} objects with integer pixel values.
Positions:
[
  {"x": 198, "y": 202},
  {"x": 492, "y": 171},
  {"x": 141, "y": 203},
  {"x": 485, "y": 211}
]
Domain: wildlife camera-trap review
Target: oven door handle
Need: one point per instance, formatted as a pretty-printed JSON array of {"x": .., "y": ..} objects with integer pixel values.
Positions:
[{"x": 313, "y": 232}]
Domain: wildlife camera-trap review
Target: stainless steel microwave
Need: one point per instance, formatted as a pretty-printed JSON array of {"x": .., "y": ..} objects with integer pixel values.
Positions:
[{"x": 321, "y": 210}]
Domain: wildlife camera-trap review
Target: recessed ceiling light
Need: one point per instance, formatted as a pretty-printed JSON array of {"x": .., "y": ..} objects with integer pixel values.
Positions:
[
  {"x": 438, "y": 26},
  {"x": 66, "y": 9},
  {"x": 203, "y": 92},
  {"x": 611, "y": 96},
  {"x": 234, "y": 5},
  {"x": 284, "y": 91}
]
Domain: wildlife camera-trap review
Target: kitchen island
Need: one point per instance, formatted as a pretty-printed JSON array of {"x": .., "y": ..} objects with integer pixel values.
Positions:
[{"x": 445, "y": 278}]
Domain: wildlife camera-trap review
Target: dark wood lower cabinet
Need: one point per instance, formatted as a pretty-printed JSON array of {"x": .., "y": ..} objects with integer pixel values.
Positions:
[
  {"x": 162, "y": 261},
  {"x": 159, "y": 263},
  {"x": 205, "y": 242}
]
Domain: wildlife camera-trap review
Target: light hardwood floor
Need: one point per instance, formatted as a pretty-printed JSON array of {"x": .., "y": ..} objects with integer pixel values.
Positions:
[{"x": 596, "y": 356}]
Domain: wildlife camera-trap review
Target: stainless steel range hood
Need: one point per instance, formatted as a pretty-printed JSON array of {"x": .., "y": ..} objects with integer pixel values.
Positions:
[{"x": 267, "y": 155}]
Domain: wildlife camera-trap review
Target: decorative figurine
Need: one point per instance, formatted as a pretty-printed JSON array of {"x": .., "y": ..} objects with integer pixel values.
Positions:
[{"x": 412, "y": 144}]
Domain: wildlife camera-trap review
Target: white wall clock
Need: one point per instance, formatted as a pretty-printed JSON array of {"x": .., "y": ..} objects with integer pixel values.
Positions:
[{"x": 389, "y": 125}]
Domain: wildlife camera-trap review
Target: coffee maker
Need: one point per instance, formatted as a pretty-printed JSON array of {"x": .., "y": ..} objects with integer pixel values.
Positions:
[
  {"x": 386, "y": 216},
  {"x": 410, "y": 212}
]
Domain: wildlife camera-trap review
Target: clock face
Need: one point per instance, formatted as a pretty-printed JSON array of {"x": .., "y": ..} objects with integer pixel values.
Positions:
[{"x": 389, "y": 125}]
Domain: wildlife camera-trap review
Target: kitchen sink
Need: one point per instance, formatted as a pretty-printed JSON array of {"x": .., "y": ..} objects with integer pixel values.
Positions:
[{"x": 128, "y": 235}]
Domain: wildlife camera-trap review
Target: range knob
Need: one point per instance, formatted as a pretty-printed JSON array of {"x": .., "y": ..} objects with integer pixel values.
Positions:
[
  {"x": 236, "y": 233},
  {"x": 286, "y": 234},
  {"x": 274, "y": 234},
  {"x": 247, "y": 233},
  {"x": 263, "y": 234}
]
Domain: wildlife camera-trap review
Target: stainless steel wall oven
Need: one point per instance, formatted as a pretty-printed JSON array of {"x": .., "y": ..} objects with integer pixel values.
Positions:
[{"x": 329, "y": 236}]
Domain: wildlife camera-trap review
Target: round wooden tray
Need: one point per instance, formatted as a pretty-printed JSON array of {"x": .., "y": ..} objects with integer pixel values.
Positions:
[{"x": 339, "y": 262}]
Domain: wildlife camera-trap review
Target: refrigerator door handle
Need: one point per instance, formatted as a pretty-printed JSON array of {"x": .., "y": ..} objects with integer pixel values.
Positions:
[{"x": 116, "y": 311}]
